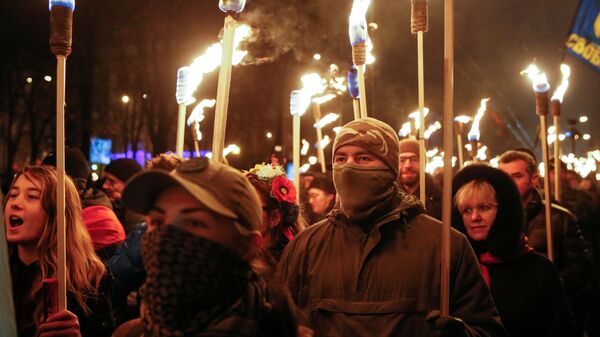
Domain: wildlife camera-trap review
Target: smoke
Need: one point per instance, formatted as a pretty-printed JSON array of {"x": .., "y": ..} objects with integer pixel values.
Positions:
[{"x": 292, "y": 26}]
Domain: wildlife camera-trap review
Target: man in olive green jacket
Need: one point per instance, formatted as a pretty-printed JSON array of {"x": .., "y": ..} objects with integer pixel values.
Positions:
[{"x": 372, "y": 268}]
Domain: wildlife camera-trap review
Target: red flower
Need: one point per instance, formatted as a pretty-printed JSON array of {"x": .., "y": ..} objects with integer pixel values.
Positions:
[{"x": 283, "y": 190}]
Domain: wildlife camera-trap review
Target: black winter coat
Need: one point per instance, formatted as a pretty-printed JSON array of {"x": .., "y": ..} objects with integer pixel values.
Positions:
[{"x": 571, "y": 257}]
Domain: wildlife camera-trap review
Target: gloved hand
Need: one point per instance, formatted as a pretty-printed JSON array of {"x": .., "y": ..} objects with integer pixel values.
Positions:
[{"x": 447, "y": 326}]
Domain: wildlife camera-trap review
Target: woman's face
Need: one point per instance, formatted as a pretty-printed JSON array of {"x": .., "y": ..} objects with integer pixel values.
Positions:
[
  {"x": 478, "y": 216},
  {"x": 24, "y": 216},
  {"x": 176, "y": 207}
]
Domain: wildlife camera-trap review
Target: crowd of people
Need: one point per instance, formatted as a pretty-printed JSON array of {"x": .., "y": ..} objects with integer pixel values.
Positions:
[{"x": 194, "y": 247}]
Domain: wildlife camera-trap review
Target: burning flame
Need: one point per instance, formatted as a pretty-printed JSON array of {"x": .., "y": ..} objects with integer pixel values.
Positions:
[
  {"x": 313, "y": 84},
  {"x": 474, "y": 133},
  {"x": 304, "y": 168},
  {"x": 324, "y": 99},
  {"x": 432, "y": 152},
  {"x": 197, "y": 115},
  {"x": 312, "y": 160},
  {"x": 431, "y": 129},
  {"x": 230, "y": 149},
  {"x": 325, "y": 141},
  {"x": 327, "y": 119},
  {"x": 211, "y": 59},
  {"x": 464, "y": 119},
  {"x": 305, "y": 146},
  {"x": 358, "y": 22},
  {"x": 415, "y": 115},
  {"x": 337, "y": 129},
  {"x": 405, "y": 130},
  {"x": 539, "y": 80},
  {"x": 559, "y": 94}
]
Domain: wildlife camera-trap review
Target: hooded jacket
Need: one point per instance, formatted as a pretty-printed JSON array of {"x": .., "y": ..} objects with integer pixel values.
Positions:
[
  {"x": 525, "y": 285},
  {"x": 348, "y": 282}
]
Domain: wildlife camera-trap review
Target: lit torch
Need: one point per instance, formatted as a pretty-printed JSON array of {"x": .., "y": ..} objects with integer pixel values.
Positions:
[
  {"x": 541, "y": 89},
  {"x": 419, "y": 26},
  {"x": 354, "y": 91},
  {"x": 196, "y": 117},
  {"x": 184, "y": 98},
  {"x": 231, "y": 8},
  {"x": 299, "y": 102},
  {"x": 359, "y": 38},
  {"x": 474, "y": 134},
  {"x": 555, "y": 107},
  {"x": 313, "y": 85},
  {"x": 460, "y": 123},
  {"x": 61, "y": 29}
]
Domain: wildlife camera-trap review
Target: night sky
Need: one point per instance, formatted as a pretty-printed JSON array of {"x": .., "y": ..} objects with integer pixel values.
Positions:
[{"x": 135, "y": 47}]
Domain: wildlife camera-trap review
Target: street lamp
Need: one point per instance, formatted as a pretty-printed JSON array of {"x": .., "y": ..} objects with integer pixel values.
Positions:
[{"x": 125, "y": 99}]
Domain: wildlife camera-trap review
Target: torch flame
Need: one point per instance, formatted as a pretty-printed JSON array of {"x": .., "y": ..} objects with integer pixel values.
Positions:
[
  {"x": 431, "y": 129},
  {"x": 304, "y": 149},
  {"x": 324, "y": 99},
  {"x": 197, "y": 115},
  {"x": 299, "y": 102},
  {"x": 405, "y": 130},
  {"x": 415, "y": 115},
  {"x": 358, "y": 22},
  {"x": 325, "y": 141},
  {"x": 559, "y": 94},
  {"x": 211, "y": 59},
  {"x": 464, "y": 119},
  {"x": 313, "y": 84},
  {"x": 474, "y": 133},
  {"x": 327, "y": 119},
  {"x": 539, "y": 80}
]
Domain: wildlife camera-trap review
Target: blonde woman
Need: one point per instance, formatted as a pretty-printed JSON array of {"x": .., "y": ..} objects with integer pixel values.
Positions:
[{"x": 30, "y": 220}]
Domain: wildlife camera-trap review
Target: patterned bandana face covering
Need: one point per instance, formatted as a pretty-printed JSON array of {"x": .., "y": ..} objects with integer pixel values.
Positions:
[
  {"x": 363, "y": 191},
  {"x": 191, "y": 282}
]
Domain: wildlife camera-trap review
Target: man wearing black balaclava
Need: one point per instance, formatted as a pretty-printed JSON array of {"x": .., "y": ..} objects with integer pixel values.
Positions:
[{"x": 372, "y": 267}]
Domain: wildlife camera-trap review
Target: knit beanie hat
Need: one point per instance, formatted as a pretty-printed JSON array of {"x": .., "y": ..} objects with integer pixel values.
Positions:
[
  {"x": 409, "y": 145},
  {"x": 374, "y": 136},
  {"x": 76, "y": 166},
  {"x": 123, "y": 168}
]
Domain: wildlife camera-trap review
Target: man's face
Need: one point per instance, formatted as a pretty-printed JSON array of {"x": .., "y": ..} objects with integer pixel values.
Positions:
[
  {"x": 409, "y": 168},
  {"x": 319, "y": 200},
  {"x": 113, "y": 186},
  {"x": 517, "y": 170},
  {"x": 177, "y": 207},
  {"x": 352, "y": 154}
]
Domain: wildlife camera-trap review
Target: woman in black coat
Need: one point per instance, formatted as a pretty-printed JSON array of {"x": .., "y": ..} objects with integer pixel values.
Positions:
[{"x": 524, "y": 284}]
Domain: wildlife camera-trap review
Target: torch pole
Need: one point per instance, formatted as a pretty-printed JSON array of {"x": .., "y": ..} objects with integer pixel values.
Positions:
[
  {"x": 447, "y": 190},
  {"x": 556, "y": 110},
  {"x": 180, "y": 130},
  {"x": 363, "y": 91},
  {"x": 320, "y": 151},
  {"x": 542, "y": 110},
  {"x": 296, "y": 154},
  {"x": 474, "y": 148},
  {"x": 459, "y": 144},
  {"x": 223, "y": 88},
  {"x": 196, "y": 143},
  {"x": 356, "y": 108},
  {"x": 61, "y": 276},
  {"x": 422, "y": 150}
]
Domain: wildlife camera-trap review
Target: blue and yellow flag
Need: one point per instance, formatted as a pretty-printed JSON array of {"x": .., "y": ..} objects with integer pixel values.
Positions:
[{"x": 584, "y": 40}]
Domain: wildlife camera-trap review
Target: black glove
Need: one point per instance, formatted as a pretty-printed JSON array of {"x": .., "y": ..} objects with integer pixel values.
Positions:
[{"x": 447, "y": 326}]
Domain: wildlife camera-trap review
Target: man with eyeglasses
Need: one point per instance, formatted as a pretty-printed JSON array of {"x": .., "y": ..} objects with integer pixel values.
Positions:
[
  {"x": 408, "y": 180},
  {"x": 571, "y": 257}
]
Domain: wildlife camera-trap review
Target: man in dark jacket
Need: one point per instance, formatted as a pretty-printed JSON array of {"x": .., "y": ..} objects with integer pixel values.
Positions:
[
  {"x": 571, "y": 257},
  {"x": 410, "y": 172},
  {"x": 116, "y": 174},
  {"x": 372, "y": 268}
]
